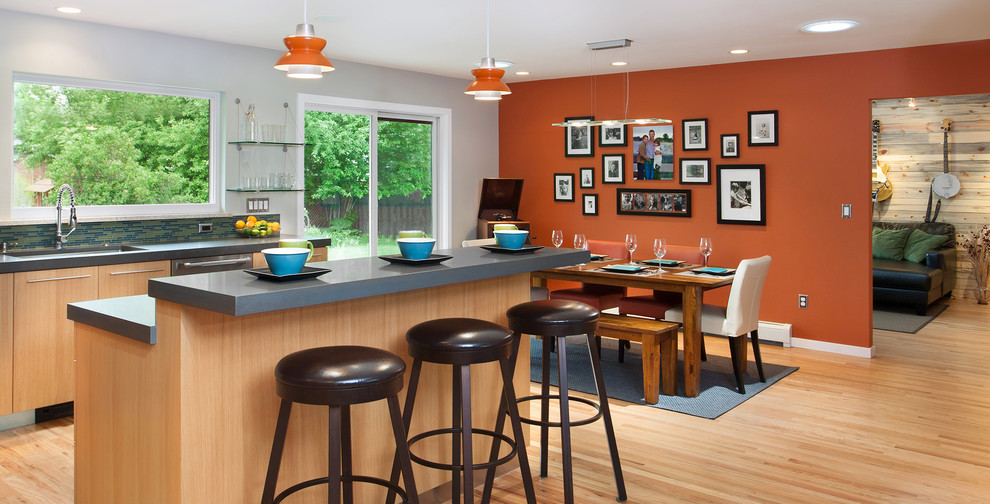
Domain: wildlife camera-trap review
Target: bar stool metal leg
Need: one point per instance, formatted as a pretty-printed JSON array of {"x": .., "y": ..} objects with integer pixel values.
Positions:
[
  {"x": 417, "y": 367},
  {"x": 467, "y": 445},
  {"x": 455, "y": 442},
  {"x": 333, "y": 476},
  {"x": 278, "y": 446},
  {"x": 565, "y": 422},
  {"x": 545, "y": 404},
  {"x": 402, "y": 450},
  {"x": 607, "y": 417},
  {"x": 347, "y": 468}
]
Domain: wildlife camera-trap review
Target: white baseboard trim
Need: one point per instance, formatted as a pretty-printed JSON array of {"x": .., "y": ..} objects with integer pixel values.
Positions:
[{"x": 824, "y": 346}]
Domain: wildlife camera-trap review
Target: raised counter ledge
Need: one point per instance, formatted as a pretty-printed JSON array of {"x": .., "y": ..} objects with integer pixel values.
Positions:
[
  {"x": 131, "y": 316},
  {"x": 239, "y": 293}
]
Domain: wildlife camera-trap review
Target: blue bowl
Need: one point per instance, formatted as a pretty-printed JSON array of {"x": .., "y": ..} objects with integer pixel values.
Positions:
[
  {"x": 416, "y": 249},
  {"x": 286, "y": 260},
  {"x": 511, "y": 238}
]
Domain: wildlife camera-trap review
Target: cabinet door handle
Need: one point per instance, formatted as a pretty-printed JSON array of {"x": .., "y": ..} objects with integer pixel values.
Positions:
[
  {"x": 58, "y": 278},
  {"x": 112, "y": 273}
]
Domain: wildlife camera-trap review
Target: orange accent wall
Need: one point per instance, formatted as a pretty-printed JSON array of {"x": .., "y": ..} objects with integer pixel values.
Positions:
[{"x": 822, "y": 161}]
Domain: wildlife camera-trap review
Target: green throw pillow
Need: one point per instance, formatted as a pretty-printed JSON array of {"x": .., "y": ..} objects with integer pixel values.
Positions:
[
  {"x": 889, "y": 243},
  {"x": 919, "y": 243}
]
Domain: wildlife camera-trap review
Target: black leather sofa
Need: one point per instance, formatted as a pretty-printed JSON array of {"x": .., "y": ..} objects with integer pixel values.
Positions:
[{"x": 917, "y": 284}]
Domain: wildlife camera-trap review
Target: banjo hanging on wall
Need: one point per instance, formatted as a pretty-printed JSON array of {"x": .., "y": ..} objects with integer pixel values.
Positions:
[{"x": 945, "y": 185}]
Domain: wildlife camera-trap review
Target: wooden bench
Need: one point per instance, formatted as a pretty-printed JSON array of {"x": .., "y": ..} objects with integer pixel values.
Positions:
[{"x": 659, "y": 341}]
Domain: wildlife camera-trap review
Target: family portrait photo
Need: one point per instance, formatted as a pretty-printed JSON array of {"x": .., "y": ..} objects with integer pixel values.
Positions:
[{"x": 653, "y": 152}]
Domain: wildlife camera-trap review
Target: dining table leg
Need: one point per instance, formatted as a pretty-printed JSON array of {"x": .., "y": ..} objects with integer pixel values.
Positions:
[{"x": 691, "y": 301}]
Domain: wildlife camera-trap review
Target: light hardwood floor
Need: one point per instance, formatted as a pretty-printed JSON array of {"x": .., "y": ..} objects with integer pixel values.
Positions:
[{"x": 911, "y": 425}]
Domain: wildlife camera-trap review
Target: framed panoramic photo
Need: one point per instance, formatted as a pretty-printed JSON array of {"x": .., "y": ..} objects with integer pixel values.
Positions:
[
  {"x": 695, "y": 133},
  {"x": 613, "y": 168},
  {"x": 730, "y": 145},
  {"x": 563, "y": 187},
  {"x": 577, "y": 139},
  {"x": 589, "y": 204},
  {"x": 587, "y": 178},
  {"x": 612, "y": 135},
  {"x": 656, "y": 202},
  {"x": 696, "y": 171},
  {"x": 742, "y": 197},
  {"x": 763, "y": 128}
]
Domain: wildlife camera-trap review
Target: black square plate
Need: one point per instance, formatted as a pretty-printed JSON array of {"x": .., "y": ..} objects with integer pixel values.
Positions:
[
  {"x": 307, "y": 272},
  {"x": 398, "y": 259},
  {"x": 525, "y": 249},
  {"x": 714, "y": 271}
]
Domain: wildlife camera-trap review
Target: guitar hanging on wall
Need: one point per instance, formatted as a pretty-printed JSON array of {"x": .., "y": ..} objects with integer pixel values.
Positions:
[
  {"x": 946, "y": 185},
  {"x": 881, "y": 184}
]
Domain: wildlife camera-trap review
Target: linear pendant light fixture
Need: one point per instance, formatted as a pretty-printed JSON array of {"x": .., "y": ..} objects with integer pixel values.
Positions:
[
  {"x": 304, "y": 59},
  {"x": 612, "y": 44},
  {"x": 488, "y": 83}
]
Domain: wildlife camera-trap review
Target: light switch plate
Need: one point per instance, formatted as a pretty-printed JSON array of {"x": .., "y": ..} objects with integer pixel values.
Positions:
[
  {"x": 257, "y": 204},
  {"x": 847, "y": 210}
]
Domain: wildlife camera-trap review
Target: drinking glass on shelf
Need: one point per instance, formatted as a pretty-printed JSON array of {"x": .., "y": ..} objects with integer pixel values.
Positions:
[
  {"x": 580, "y": 243},
  {"x": 631, "y": 245},
  {"x": 557, "y": 238},
  {"x": 706, "y": 249},
  {"x": 660, "y": 250}
]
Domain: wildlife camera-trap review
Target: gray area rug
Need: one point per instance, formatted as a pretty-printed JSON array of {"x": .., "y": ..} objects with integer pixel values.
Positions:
[
  {"x": 902, "y": 319},
  {"x": 624, "y": 381}
]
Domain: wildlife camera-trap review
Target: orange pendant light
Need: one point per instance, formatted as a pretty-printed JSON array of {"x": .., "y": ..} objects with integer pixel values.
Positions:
[
  {"x": 488, "y": 83},
  {"x": 304, "y": 59}
]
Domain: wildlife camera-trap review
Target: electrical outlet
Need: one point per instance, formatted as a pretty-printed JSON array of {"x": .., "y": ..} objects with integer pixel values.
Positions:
[
  {"x": 802, "y": 300},
  {"x": 206, "y": 228}
]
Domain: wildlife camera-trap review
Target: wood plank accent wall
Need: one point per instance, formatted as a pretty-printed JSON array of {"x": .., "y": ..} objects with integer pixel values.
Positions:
[{"x": 911, "y": 145}]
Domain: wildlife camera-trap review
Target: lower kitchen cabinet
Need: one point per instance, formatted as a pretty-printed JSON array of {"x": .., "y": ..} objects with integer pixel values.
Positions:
[
  {"x": 43, "y": 369},
  {"x": 6, "y": 344},
  {"x": 119, "y": 280}
]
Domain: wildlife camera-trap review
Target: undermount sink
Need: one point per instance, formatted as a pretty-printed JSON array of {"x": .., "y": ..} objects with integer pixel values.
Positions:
[{"x": 73, "y": 251}]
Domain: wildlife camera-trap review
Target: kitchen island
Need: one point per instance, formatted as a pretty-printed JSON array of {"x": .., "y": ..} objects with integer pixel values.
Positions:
[{"x": 190, "y": 418}]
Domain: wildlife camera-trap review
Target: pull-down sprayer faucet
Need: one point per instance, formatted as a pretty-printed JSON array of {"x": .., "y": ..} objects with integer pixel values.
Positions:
[{"x": 59, "y": 239}]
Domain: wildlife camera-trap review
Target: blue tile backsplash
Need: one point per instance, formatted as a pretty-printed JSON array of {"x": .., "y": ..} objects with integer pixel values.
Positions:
[{"x": 31, "y": 236}]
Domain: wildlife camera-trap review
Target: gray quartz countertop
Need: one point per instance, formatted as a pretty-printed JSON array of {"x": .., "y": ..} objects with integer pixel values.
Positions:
[
  {"x": 131, "y": 316},
  {"x": 239, "y": 293},
  {"x": 9, "y": 263}
]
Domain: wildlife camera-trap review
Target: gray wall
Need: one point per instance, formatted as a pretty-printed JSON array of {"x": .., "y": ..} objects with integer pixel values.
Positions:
[{"x": 51, "y": 46}]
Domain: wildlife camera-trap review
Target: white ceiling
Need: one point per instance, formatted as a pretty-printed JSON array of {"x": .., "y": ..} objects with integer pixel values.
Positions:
[{"x": 546, "y": 37}]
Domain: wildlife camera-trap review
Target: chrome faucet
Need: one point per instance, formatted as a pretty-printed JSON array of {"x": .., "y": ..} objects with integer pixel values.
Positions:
[{"x": 59, "y": 239}]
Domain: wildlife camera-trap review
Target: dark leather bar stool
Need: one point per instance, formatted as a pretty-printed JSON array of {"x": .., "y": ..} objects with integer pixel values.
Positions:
[
  {"x": 558, "y": 319},
  {"x": 339, "y": 376},
  {"x": 462, "y": 342}
]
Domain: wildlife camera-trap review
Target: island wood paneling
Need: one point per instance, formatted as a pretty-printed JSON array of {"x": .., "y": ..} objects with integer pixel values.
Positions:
[
  {"x": 911, "y": 145},
  {"x": 6, "y": 343},
  {"x": 217, "y": 370}
]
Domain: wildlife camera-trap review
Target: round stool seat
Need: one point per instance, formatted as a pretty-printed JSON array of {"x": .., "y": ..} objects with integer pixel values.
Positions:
[
  {"x": 461, "y": 341},
  {"x": 339, "y": 375},
  {"x": 553, "y": 317}
]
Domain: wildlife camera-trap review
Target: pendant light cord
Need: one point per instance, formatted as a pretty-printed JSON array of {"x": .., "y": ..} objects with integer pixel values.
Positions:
[
  {"x": 305, "y": 16},
  {"x": 488, "y": 31}
]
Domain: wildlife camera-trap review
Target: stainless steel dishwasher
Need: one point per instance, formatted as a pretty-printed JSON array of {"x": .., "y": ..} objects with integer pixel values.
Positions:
[{"x": 210, "y": 264}]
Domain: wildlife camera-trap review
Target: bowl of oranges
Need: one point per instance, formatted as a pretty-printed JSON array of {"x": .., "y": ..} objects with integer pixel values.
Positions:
[{"x": 251, "y": 227}]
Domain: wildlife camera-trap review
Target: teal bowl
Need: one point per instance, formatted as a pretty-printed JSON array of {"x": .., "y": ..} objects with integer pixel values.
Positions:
[
  {"x": 511, "y": 238},
  {"x": 416, "y": 249},
  {"x": 286, "y": 260}
]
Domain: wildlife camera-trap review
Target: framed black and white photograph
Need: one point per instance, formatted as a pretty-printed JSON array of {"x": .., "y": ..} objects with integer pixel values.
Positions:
[
  {"x": 589, "y": 204},
  {"x": 696, "y": 171},
  {"x": 587, "y": 178},
  {"x": 763, "y": 128},
  {"x": 612, "y": 135},
  {"x": 563, "y": 187},
  {"x": 742, "y": 197},
  {"x": 577, "y": 139},
  {"x": 655, "y": 202},
  {"x": 695, "y": 133},
  {"x": 613, "y": 168},
  {"x": 730, "y": 145}
]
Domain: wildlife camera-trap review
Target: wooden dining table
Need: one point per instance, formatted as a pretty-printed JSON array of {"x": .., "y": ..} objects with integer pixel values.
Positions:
[{"x": 691, "y": 286}]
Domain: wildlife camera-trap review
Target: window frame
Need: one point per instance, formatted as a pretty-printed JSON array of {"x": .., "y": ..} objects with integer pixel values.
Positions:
[{"x": 212, "y": 206}]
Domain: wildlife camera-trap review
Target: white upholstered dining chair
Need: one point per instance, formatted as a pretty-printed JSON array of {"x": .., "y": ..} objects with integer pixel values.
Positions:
[{"x": 739, "y": 317}]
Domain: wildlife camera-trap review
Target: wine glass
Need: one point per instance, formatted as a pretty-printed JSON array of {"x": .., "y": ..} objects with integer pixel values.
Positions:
[
  {"x": 580, "y": 243},
  {"x": 631, "y": 245},
  {"x": 660, "y": 250},
  {"x": 706, "y": 249},
  {"x": 557, "y": 237}
]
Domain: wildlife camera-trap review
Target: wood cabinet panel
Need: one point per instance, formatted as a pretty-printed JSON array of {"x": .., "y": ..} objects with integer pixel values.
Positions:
[
  {"x": 6, "y": 343},
  {"x": 119, "y": 280},
  {"x": 43, "y": 353}
]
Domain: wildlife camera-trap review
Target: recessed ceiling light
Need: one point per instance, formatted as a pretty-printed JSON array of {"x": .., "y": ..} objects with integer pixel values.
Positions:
[
  {"x": 522, "y": 72},
  {"x": 739, "y": 51},
  {"x": 829, "y": 26},
  {"x": 69, "y": 10},
  {"x": 620, "y": 63},
  {"x": 498, "y": 64}
]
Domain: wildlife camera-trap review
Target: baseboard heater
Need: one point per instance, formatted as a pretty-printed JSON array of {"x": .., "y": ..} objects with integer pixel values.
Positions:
[{"x": 775, "y": 331}]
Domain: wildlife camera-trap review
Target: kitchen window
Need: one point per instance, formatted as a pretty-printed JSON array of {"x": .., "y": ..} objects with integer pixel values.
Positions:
[{"x": 126, "y": 149}]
